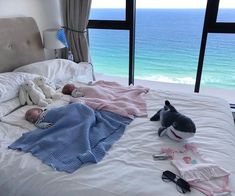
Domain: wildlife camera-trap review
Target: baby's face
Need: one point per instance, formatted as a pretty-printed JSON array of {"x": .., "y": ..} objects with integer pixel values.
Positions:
[{"x": 33, "y": 114}]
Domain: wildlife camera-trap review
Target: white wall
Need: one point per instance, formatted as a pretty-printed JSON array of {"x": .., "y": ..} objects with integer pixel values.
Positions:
[{"x": 47, "y": 13}]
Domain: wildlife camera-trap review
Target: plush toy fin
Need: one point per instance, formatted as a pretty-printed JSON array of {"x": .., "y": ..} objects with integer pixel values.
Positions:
[
  {"x": 167, "y": 103},
  {"x": 171, "y": 107},
  {"x": 156, "y": 116}
]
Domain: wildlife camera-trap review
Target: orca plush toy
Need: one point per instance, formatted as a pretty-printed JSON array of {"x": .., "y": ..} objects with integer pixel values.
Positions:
[{"x": 174, "y": 124}]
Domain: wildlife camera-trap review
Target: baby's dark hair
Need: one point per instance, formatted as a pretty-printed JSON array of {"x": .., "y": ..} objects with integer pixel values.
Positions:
[
  {"x": 28, "y": 116},
  {"x": 68, "y": 88}
]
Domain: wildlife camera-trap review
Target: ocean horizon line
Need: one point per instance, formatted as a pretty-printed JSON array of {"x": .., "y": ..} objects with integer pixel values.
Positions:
[{"x": 165, "y": 8}]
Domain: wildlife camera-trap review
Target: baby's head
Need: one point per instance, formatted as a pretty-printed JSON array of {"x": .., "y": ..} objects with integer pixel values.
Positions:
[
  {"x": 68, "y": 89},
  {"x": 33, "y": 114}
]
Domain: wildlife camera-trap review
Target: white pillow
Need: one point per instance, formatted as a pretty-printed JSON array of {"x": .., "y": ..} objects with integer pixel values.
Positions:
[
  {"x": 9, "y": 106},
  {"x": 10, "y": 83},
  {"x": 60, "y": 70}
]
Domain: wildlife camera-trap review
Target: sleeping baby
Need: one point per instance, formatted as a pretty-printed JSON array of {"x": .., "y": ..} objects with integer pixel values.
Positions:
[{"x": 36, "y": 116}]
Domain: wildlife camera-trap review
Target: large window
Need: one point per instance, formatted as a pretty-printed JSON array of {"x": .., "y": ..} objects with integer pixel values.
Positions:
[{"x": 168, "y": 41}]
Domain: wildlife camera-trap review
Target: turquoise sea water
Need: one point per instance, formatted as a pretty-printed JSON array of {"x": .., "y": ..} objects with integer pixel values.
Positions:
[{"x": 167, "y": 47}]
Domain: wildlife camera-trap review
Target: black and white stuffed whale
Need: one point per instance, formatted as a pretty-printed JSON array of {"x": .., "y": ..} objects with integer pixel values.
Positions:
[{"x": 174, "y": 124}]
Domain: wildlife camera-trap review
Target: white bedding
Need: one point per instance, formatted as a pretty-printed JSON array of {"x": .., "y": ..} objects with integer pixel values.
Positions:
[{"x": 128, "y": 167}]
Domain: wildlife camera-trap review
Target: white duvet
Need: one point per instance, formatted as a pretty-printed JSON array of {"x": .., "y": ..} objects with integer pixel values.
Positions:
[{"x": 128, "y": 167}]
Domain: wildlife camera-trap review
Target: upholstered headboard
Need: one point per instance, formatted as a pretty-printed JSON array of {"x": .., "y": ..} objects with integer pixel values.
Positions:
[{"x": 20, "y": 43}]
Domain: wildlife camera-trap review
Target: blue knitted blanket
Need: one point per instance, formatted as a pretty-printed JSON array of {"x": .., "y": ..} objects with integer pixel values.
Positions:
[{"x": 79, "y": 135}]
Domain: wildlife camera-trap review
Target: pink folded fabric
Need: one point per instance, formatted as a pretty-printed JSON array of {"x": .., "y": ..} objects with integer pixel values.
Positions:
[{"x": 111, "y": 96}]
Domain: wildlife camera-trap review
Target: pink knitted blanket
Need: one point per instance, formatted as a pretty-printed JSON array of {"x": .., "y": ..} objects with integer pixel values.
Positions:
[{"x": 111, "y": 96}]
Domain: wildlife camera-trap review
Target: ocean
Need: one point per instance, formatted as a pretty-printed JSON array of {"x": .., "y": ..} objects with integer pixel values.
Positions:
[{"x": 167, "y": 47}]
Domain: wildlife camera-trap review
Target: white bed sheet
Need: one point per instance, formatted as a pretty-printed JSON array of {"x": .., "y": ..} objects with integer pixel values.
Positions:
[{"x": 128, "y": 167}]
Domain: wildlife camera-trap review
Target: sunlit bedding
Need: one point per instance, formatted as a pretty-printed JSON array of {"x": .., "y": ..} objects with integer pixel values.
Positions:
[{"x": 128, "y": 167}]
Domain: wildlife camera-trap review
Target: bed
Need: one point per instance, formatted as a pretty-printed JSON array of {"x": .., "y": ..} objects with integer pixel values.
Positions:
[{"x": 128, "y": 167}]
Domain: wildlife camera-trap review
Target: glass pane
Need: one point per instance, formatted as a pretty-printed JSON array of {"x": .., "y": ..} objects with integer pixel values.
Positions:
[
  {"x": 219, "y": 66},
  {"x": 116, "y": 10},
  {"x": 167, "y": 48},
  {"x": 109, "y": 51},
  {"x": 226, "y": 15},
  {"x": 226, "y": 11}
]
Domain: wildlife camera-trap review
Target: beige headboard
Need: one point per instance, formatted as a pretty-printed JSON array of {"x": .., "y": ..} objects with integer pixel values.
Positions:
[{"x": 20, "y": 43}]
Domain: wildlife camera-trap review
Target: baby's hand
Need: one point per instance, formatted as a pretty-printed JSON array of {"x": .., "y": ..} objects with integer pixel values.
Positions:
[
  {"x": 49, "y": 125},
  {"x": 76, "y": 93},
  {"x": 90, "y": 83},
  {"x": 43, "y": 125}
]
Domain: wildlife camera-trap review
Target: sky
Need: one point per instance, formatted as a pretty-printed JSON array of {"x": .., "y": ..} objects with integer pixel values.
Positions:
[{"x": 160, "y": 3}]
